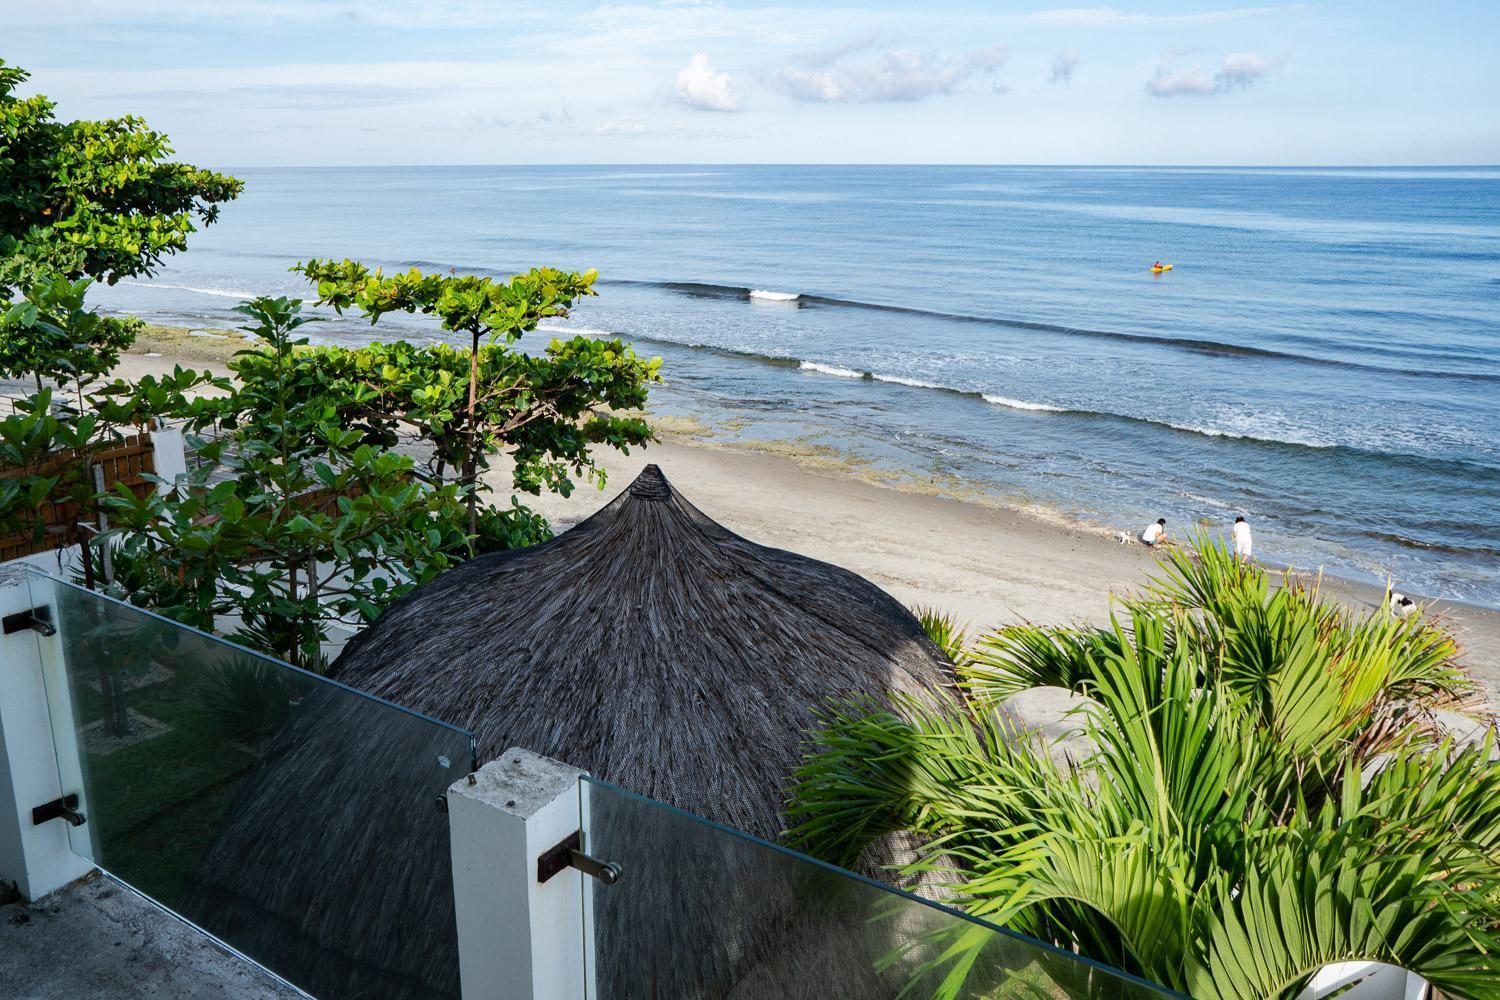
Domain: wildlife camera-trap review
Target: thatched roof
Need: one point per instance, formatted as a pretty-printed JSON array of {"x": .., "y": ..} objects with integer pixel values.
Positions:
[{"x": 650, "y": 646}]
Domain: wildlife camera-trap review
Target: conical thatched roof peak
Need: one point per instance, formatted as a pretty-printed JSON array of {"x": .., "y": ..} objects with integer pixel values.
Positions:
[
  {"x": 650, "y": 646},
  {"x": 651, "y": 484}
]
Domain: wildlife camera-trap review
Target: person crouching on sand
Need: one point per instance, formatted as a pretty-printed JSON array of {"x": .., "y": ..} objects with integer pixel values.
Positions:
[
  {"x": 1242, "y": 540},
  {"x": 1155, "y": 534}
]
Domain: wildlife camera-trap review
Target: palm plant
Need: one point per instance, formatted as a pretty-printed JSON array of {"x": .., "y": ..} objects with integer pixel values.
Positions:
[
  {"x": 946, "y": 631},
  {"x": 1265, "y": 792}
]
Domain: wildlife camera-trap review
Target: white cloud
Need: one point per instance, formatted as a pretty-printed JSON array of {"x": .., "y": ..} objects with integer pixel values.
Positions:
[
  {"x": 990, "y": 59},
  {"x": 1241, "y": 69},
  {"x": 1238, "y": 71},
  {"x": 862, "y": 72},
  {"x": 700, "y": 86},
  {"x": 1171, "y": 80},
  {"x": 1063, "y": 66}
]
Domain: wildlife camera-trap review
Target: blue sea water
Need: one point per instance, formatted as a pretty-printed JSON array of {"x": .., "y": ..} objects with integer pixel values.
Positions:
[{"x": 1324, "y": 357}]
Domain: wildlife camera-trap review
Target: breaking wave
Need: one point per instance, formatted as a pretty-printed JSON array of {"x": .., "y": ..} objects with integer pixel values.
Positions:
[
  {"x": 813, "y": 366},
  {"x": 700, "y": 289},
  {"x": 219, "y": 292},
  {"x": 1021, "y": 404}
]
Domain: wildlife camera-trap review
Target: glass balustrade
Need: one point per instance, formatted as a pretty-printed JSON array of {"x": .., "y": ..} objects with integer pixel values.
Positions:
[
  {"x": 287, "y": 815},
  {"x": 702, "y": 912},
  {"x": 296, "y": 820}
]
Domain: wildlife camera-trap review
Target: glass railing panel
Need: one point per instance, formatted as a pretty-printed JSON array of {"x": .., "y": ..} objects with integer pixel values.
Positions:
[
  {"x": 702, "y": 912},
  {"x": 289, "y": 816}
]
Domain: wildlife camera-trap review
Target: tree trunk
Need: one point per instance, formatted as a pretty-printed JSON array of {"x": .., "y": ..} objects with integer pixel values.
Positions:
[
  {"x": 469, "y": 463},
  {"x": 294, "y": 629}
]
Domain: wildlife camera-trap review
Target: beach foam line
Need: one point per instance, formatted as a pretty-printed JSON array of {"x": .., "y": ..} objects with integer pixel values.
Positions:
[
  {"x": 1021, "y": 404},
  {"x": 841, "y": 372},
  {"x": 765, "y": 296},
  {"x": 576, "y": 331},
  {"x": 915, "y": 383},
  {"x": 1215, "y": 432},
  {"x": 220, "y": 292},
  {"x": 1400, "y": 459}
]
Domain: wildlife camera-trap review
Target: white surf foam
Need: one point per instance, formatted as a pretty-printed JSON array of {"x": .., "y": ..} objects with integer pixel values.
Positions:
[
  {"x": 813, "y": 366},
  {"x": 1215, "y": 432},
  {"x": 914, "y": 382},
  {"x": 585, "y": 331},
  {"x": 1210, "y": 501},
  {"x": 219, "y": 292},
  {"x": 1021, "y": 404},
  {"x": 765, "y": 296}
]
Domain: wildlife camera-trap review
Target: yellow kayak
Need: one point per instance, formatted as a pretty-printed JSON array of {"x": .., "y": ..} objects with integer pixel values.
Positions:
[{"x": 1159, "y": 270}]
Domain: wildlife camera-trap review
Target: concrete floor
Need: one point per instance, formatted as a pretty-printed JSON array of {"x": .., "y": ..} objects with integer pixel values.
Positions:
[{"x": 97, "y": 939}]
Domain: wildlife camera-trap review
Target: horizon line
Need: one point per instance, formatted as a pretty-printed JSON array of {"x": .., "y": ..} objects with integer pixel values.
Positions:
[{"x": 810, "y": 163}]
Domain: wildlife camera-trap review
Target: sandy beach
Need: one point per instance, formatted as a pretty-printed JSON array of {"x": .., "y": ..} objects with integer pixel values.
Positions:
[{"x": 985, "y": 564}]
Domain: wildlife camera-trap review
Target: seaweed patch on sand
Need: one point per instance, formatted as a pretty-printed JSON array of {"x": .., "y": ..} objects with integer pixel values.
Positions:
[{"x": 189, "y": 344}]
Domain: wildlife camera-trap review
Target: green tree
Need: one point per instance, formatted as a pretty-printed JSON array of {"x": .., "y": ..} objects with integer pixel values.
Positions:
[
  {"x": 91, "y": 199},
  {"x": 1259, "y": 790},
  {"x": 292, "y": 521},
  {"x": 546, "y": 409},
  {"x": 50, "y": 335},
  {"x": 49, "y": 441}
]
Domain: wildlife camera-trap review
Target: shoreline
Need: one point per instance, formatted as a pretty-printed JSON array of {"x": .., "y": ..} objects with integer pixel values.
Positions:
[
  {"x": 939, "y": 544},
  {"x": 819, "y": 458},
  {"x": 984, "y": 564}
]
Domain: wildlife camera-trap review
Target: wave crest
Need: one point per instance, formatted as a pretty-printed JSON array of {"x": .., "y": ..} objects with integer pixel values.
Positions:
[
  {"x": 218, "y": 292},
  {"x": 1021, "y": 404},
  {"x": 840, "y": 371}
]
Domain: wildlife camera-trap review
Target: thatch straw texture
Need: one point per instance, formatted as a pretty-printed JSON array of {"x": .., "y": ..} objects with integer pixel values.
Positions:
[
  {"x": 331, "y": 866},
  {"x": 653, "y": 648},
  {"x": 649, "y": 646}
]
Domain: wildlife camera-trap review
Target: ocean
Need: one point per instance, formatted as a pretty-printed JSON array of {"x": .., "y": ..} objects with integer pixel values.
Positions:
[{"x": 1323, "y": 358}]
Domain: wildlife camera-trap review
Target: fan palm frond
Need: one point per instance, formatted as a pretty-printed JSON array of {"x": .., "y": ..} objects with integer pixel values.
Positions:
[{"x": 1264, "y": 793}]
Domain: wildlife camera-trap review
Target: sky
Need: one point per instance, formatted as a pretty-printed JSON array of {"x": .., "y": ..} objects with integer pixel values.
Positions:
[{"x": 242, "y": 83}]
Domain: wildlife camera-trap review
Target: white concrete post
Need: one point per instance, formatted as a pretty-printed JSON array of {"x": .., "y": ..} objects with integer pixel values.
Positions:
[
  {"x": 518, "y": 939},
  {"x": 37, "y": 858}
]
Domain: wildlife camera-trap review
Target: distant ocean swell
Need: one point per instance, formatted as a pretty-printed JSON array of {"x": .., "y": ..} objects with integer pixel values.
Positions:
[
  {"x": 994, "y": 398},
  {"x": 707, "y": 290},
  {"x": 700, "y": 289}
]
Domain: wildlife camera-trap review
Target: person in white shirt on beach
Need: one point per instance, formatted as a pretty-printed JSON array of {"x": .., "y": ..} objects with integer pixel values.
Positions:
[
  {"x": 1242, "y": 541},
  {"x": 1155, "y": 533}
]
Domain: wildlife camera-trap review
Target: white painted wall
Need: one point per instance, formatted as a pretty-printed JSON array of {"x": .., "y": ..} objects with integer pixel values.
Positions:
[
  {"x": 170, "y": 455},
  {"x": 1375, "y": 982}
]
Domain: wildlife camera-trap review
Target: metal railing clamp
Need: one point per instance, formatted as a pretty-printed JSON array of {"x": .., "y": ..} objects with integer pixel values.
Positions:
[
  {"x": 569, "y": 854},
  {"x": 35, "y": 619},
  {"x": 63, "y": 808}
]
